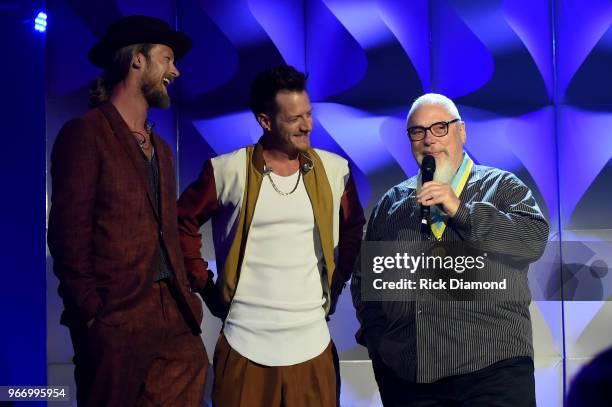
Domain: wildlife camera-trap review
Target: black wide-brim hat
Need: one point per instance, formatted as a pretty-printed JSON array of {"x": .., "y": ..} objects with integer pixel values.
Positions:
[{"x": 136, "y": 30}]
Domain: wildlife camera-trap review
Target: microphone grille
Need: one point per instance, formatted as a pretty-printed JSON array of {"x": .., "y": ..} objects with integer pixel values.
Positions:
[{"x": 428, "y": 164}]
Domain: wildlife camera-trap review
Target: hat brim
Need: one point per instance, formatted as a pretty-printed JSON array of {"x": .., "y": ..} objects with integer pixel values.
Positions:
[{"x": 103, "y": 53}]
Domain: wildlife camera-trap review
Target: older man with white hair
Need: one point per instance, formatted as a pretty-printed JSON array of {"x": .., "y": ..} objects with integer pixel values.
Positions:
[{"x": 464, "y": 353}]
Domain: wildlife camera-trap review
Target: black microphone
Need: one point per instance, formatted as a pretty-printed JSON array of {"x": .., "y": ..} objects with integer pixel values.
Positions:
[{"x": 428, "y": 167}]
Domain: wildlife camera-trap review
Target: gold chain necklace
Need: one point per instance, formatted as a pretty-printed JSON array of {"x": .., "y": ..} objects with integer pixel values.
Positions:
[{"x": 278, "y": 190}]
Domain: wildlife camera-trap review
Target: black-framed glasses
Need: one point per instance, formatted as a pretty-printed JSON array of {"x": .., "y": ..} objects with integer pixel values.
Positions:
[{"x": 438, "y": 129}]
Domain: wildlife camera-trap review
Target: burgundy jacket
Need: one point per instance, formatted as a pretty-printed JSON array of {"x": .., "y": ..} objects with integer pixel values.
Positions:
[{"x": 104, "y": 232}]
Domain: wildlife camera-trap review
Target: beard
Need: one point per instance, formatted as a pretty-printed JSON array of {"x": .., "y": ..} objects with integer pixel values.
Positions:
[
  {"x": 444, "y": 172},
  {"x": 301, "y": 147},
  {"x": 286, "y": 143},
  {"x": 154, "y": 92}
]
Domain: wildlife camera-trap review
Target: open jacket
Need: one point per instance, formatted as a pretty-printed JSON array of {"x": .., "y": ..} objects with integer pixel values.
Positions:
[
  {"x": 105, "y": 230},
  {"x": 226, "y": 192}
]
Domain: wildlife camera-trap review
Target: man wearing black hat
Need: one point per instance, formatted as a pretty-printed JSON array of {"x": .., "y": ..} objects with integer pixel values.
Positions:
[{"x": 133, "y": 319}]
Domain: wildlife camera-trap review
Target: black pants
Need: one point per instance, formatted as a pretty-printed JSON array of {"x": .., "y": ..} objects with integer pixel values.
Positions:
[{"x": 508, "y": 383}]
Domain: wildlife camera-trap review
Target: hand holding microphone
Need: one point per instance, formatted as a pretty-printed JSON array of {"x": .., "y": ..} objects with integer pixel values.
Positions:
[{"x": 434, "y": 192}]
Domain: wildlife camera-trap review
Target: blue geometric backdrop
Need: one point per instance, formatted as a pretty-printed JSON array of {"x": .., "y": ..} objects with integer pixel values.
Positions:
[{"x": 530, "y": 78}]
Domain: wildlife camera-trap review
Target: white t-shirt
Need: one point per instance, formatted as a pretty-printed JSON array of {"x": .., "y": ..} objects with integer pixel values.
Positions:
[{"x": 276, "y": 316}]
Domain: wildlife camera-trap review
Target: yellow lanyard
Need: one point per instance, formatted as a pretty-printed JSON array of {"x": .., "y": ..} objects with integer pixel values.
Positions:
[{"x": 439, "y": 217}]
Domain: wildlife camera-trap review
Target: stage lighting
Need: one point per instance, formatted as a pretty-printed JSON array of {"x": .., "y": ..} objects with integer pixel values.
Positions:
[{"x": 40, "y": 22}]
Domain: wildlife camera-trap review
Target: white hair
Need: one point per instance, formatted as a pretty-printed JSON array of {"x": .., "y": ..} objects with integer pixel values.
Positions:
[{"x": 433, "y": 99}]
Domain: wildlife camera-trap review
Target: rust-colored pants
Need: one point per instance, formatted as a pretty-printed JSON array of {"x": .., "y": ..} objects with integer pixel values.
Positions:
[
  {"x": 242, "y": 383},
  {"x": 151, "y": 359}
]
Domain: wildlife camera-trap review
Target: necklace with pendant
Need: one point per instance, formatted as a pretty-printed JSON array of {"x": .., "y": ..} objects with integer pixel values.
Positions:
[{"x": 142, "y": 140}]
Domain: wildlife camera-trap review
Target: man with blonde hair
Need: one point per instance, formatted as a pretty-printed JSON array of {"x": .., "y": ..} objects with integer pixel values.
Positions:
[{"x": 113, "y": 233}]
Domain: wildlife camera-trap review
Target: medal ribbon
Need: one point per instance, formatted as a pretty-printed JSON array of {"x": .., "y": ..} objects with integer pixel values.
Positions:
[{"x": 439, "y": 218}]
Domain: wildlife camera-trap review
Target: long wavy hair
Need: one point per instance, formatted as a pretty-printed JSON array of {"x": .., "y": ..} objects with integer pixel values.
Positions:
[{"x": 102, "y": 87}]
